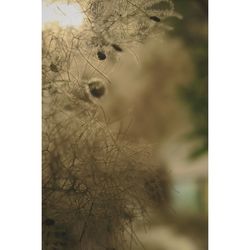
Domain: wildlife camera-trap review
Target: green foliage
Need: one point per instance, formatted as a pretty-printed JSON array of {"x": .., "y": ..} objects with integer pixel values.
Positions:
[{"x": 195, "y": 96}]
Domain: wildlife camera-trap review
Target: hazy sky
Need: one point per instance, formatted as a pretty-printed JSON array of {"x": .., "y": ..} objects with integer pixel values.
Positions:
[{"x": 63, "y": 13}]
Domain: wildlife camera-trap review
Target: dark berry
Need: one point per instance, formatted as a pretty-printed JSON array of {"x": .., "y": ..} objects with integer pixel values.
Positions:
[
  {"x": 96, "y": 89},
  {"x": 117, "y": 47},
  {"x": 101, "y": 55},
  {"x": 53, "y": 67},
  {"x": 155, "y": 18}
]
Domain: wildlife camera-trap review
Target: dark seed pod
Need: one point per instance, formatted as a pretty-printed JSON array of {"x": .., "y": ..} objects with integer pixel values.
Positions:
[
  {"x": 53, "y": 67},
  {"x": 97, "y": 89},
  {"x": 49, "y": 222},
  {"x": 155, "y": 18},
  {"x": 116, "y": 47},
  {"x": 101, "y": 55}
]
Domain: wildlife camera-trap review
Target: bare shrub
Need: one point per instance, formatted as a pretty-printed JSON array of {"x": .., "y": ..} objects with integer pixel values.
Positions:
[{"x": 96, "y": 180}]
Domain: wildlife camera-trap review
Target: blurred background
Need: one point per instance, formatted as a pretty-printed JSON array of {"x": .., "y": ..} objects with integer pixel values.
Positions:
[
  {"x": 184, "y": 225},
  {"x": 188, "y": 160},
  {"x": 171, "y": 111}
]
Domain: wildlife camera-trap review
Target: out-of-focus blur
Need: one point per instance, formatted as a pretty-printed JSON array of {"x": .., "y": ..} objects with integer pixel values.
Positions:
[
  {"x": 151, "y": 92},
  {"x": 184, "y": 225}
]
